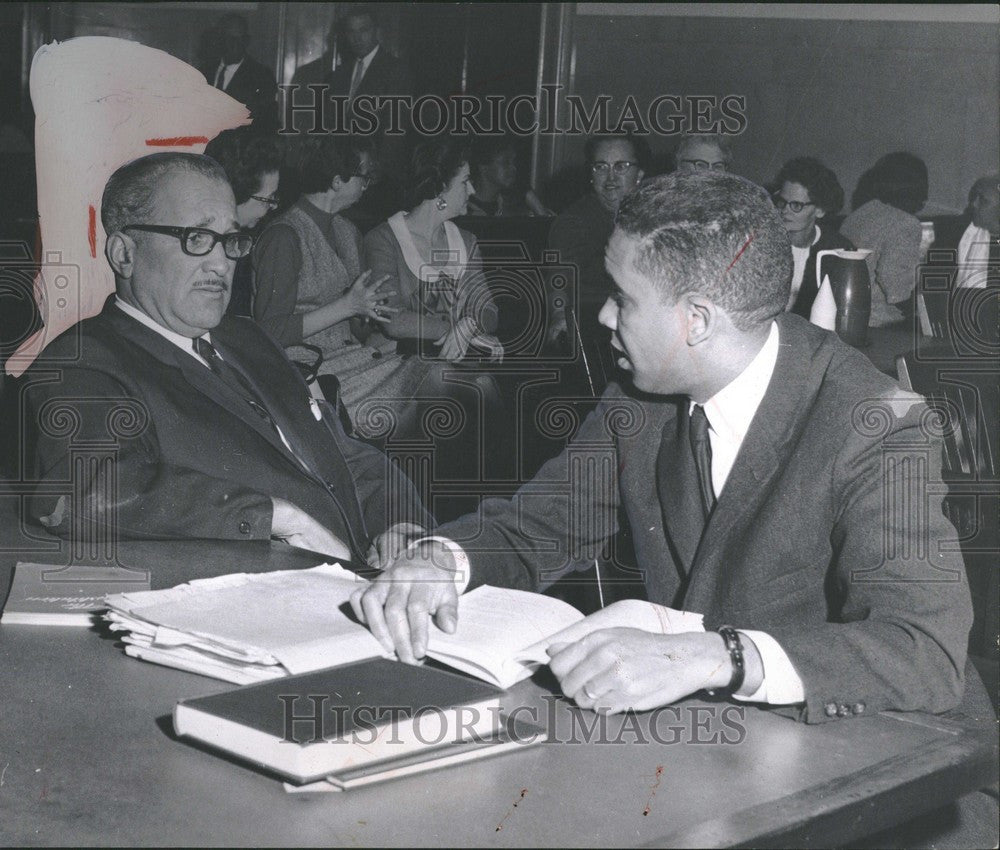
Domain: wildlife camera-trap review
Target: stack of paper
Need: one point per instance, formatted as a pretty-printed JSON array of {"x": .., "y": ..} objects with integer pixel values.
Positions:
[{"x": 247, "y": 628}]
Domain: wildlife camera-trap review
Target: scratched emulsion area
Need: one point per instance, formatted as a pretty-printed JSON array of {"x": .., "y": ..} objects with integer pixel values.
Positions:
[{"x": 100, "y": 102}]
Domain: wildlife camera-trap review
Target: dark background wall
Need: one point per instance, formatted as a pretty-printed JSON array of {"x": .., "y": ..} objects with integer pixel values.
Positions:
[{"x": 844, "y": 90}]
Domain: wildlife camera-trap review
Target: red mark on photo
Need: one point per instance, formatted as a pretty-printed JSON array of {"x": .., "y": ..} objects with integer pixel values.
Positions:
[
  {"x": 92, "y": 230},
  {"x": 740, "y": 252},
  {"x": 177, "y": 142},
  {"x": 652, "y": 793},
  {"x": 510, "y": 811}
]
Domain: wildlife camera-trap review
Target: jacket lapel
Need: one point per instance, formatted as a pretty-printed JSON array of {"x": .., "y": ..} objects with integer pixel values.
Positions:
[
  {"x": 773, "y": 432},
  {"x": 200, "y": 377}
]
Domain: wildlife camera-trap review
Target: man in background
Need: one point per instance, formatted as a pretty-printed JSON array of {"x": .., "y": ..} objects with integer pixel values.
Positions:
[{"x": 241, "y": 76}]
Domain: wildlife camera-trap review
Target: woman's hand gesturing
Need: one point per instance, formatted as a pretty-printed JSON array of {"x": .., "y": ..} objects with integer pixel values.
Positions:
[{"x": 368, "y": 300}]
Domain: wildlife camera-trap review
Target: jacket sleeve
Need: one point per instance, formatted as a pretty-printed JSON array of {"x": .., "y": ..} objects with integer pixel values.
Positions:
[
  {"x": 897, "y": 635},
  {"x": 559, "y": 521},
  {"x": 98, "y": 469},
  {"x": 277, "y": 261}
]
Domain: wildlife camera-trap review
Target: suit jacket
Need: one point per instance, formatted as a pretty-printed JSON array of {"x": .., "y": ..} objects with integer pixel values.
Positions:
[
  {"x": 253, "y": 85},
  {"x": 386, "y": 75},
  {"x": 826, "y": 534},
  {"x": 192, "y": 458}
]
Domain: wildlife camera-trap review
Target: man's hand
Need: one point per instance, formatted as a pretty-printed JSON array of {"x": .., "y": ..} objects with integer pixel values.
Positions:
[
  {"x": 397, "y": 606},
  {"x": 294, "y": 526},
  {"x": 392, "y": 543},
  {"x": 613, "y": 670}
]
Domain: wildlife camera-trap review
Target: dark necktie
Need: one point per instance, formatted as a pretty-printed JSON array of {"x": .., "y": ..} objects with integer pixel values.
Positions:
[
  {"x": 233, "y": 378},
  {"x": 701, "y": 446}
]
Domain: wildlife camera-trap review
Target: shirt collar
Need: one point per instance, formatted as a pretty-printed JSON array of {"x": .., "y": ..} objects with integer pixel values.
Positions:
[
  {"x": 366, "y": 60},
  {"x": 731, "y": 410},
  {"x": 181, "y": 341},
  {"x": 234, "y": 65}
]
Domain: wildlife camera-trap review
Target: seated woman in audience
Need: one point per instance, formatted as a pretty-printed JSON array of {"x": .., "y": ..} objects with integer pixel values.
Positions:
[
  {"x": 883, "y": 221},
  {"x": 805, "y": 191},
  {"x": 495, "y": 178},
  {"x": 251, "y": 162},
  {"x": 440, "y": 296},
  {"x": 443, "y": 309},
  {"x": 308, "y": 278}
]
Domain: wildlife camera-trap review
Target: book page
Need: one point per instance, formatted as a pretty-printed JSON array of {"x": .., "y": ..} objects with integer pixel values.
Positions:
[
  {"x": 494, "y": 625},
  {"x": 628, "y": 613}
]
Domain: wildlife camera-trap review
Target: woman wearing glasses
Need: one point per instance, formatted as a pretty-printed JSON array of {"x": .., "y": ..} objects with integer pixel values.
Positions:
[
  {"x": 251, "y": 162},
  {"x": 805, "y": 191},
  {"x": 308, "y": 282}
]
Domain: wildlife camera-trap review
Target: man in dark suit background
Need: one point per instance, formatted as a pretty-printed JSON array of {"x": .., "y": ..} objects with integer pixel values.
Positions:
[
  {"x": 213, "y": 431},
  {"x": 367, "y": 68},
  {"x": 241, "y": 76}
]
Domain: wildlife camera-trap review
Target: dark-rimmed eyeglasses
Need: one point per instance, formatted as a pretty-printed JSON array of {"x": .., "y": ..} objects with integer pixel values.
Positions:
[
  {"x": 199, "y": 241},
  {"x": 366, "y": 178},
  {"x": 794, "y": 206},
  {"x": 705, "y": 165},
  {"x": 269, "y": 201},
  {"x": 601, "y": 167}
]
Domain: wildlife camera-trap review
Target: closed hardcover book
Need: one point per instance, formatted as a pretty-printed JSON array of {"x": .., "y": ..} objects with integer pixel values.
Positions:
[
  {"x": 46, "y": 595},
  {"x": 307, "y": 727}
]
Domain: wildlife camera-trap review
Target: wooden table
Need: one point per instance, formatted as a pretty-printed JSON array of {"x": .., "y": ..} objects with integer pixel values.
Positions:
[{"x": 87, "y": 757}]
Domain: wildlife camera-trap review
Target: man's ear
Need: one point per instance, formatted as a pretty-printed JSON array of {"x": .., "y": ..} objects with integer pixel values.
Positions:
[
  {"x": 120, "y": 252},
  {"x": 702, "y": 318},
  {"x": 820, "y": 212},
  {"x": 638, "y": 176}
]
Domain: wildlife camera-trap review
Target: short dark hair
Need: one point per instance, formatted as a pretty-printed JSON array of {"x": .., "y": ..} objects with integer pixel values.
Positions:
[
  {"x": 434, "y": 164},
  {"x": 819, "y": 181},
  {"x": 898, "y": 179},
  {"x": 129, "y": 193},
  {"x": 318, "y": 159},
  {"x": 714, "y": 233},
  {"x": 354, "y": 10},
  {"x": 246, "y": 157},
  {"x": 640, "y": 149},
  {"x": 485, "y": 149}
]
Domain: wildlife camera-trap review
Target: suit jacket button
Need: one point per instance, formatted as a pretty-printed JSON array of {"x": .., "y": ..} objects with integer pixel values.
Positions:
[
  {"x": 843, "y": 710},
  {"x": 830, "y": 709},
  {"x": 858, "y": 708},
  {"x": 245, "y": 527}
]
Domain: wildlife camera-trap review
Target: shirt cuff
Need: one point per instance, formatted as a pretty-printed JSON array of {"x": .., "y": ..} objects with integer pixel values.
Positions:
[
  {"x": 781, "y": 684},
  {"x": 462, "y": 567}
]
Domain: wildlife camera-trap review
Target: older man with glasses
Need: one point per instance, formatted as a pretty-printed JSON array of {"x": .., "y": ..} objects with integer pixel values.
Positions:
[
  {"x": 703, "y": 152},
  {"x": 615, "y": 166},
  {"x": 212, "y": 431}
]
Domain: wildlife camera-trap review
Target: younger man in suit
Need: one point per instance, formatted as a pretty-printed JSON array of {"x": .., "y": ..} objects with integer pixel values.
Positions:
[
  {"x": 210, "y": 430},
  {"x": 772, "y": 479}
]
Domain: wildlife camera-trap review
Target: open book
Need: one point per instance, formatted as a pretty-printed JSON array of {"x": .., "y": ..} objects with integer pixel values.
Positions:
[{"x": 250, "y": 628}]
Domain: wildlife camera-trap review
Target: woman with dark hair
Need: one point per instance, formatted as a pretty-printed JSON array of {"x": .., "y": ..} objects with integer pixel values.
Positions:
[
  {"x": 308, "y": 278},
  {"x": 805, "y": 191},
  {"x": 440, "y": 295},
  {"x": 251, "y": 162},
  {"x": 883, "y": 221}
]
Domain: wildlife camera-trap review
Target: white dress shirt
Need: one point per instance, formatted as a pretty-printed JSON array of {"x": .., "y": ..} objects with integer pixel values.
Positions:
[
  {"x": 228, "y": 72},
  {"x": 730, "y": 412},
  {"x": 365, "y": 62}
]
